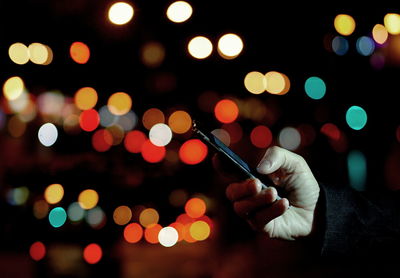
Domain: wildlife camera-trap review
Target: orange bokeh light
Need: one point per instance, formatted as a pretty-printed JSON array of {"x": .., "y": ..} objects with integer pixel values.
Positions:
[
  {"x": 85, "y": 98},
  {"x": 193, "y": 151},
  {"x": 226, "y": 111},
  {"x": 102, "y": 140},
  {"x": 89, "y": 120},
  {"x": 151, "y": 233},
  {"x": 92, "y": 253},
  {"x": 134, "y": 141},
  {"x": 195, "y": 207},
  {"x": 152, "y": 153},
  {"x": 133, "y": 233},
  {"x": 37, "y": 251},
  {"x": 179, "y": 227},
  {"x": 79, "y": 52}
]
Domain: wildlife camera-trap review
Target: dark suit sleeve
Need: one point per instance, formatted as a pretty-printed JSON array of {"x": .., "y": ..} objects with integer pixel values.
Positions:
[{"x": 359, "y": 224}]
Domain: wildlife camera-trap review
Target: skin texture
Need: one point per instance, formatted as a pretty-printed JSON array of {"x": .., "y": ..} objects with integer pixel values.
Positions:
[{"x": 288, "y": 218}]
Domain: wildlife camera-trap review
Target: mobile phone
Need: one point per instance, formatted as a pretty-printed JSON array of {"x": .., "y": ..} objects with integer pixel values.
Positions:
[{"x": 212, "y": 141}]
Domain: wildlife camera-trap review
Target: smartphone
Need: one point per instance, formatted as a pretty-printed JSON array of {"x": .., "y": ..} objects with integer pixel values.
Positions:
[{"x": 214, "y": 143}]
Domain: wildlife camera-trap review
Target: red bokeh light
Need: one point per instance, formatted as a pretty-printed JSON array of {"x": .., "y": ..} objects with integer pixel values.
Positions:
[
  {"x": 134, "y": 141},
  {"x": 261, "y": 136},
  {"x": 152, "y": 153},
  {"x": 102, "y": 140},
  {"x": 79, "y": 52},
  {"x": 89, "y": 120},
  {"x": 226, "y": 111},
  {"x": 151, "y": 233},
  {"x": 37, "y": 251},
  {"x": 92, "y": 253},
  {"x": 195, "y": 207},
  {"x": 133, "y": 233},
  {"x": 193, "y": 151}
]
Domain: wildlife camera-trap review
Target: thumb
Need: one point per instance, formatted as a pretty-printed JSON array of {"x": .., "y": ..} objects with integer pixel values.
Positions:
[{"x": 279, "y": 158}]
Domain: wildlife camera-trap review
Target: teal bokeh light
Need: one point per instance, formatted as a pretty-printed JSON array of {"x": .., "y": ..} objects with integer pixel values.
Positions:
[
  {"x": 57, "y": 217},
  {"x": 356, "y": 117},
  {"x": 315, "y": 87},
  {"x": 357, "y": 169}
]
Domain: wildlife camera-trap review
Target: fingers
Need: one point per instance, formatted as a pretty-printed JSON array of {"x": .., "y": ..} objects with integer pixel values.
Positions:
[
  {"x": 263, "y": 216},
  {"x": 246, "y": 206},
  {"x": 276, "y": 158},
  {"x": 239, "y": 190}
]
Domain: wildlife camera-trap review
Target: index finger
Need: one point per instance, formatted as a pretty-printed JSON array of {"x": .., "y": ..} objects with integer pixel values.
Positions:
[{"x": 239, "y": 190}]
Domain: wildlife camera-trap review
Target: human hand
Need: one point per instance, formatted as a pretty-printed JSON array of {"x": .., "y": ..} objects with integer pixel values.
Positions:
[{"x": 290, "y": 172}]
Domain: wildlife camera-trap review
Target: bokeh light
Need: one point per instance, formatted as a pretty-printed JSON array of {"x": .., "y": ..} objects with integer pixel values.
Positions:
[
  {"x": 179, "y": 11},
  {"x": 88, "y": 199},
  {"x": 180, "y": 121},
  {"x": 356, "y": 117},
  {"x": 151, "y": 117},
  {"x": 18, "y": 53},
  {"x": 133, "y": 233},
  {"x": 365, "y": 46},
  {"x": 57, "y": 217},
  {"x": 200, "y": 230},
  {"x": 148, "y": 216},
  {"x": 85, "y": 98},
  {"x": 54, "y": 193},
  {"x": 160, "y": 135},
  {"x": 168, "y": 236},
  {"x": 255, "y": 82},
  {"x": 357, "y": 169},
  {"x": 13, "y": 88},
  {"x": 230, "y": 46},
  {"x": 102, "y": 140},
  {"x": 134, "y": 141},
  {"x": 151, "y": 233},
  {"x": 380, "y": 34},
  {"x": 75, "y": 212},
  {"x": 200, "y": 47},
  {"x": 79, "y": 52},
  {"x": 392, "y": 23},
  {"x": 315, "y": 87},
  {"x": 340, "y": 45},
  {"x": 195, "y": 207},
  {"x": 92, "y": 253},
  {"x": 261, "y": 136},
  {"x": 331, "y": 131},
  {"x": 344, "y": 24},
  {"x": 37, "y": 251},
  {"x": 96, "y": 218},
  {"x": 119, "y": 103},
  {"x": 89, "y": 120},
  {"x": 235, "y": 132},
  {"x": 120, "y": 13},
  {"x": 193, "y": 151},
  {"x": 48, "y": 134},
  {"x": 152, "y": 153},
  {"x": 40, "y": 54},
  {"x": 226, "y": 111},
  {"x": 289, "y": 138},
  {"x": 122, "y": 215},
  {"x": 18, "y": 196},
  {"x": 40, "y": 209},
  {"x": 152, "y": 54},
  {"x": 277, "y": 83}
]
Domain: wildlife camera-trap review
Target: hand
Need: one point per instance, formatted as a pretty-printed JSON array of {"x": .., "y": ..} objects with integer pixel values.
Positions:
[{"x": 290, "y": 172}]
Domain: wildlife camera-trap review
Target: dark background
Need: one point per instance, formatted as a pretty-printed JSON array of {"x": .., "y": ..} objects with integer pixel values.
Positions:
[{"x": 288, "y": 41}]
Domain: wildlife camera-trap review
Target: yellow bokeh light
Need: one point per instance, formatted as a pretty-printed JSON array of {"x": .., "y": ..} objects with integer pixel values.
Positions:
[
  {"x": 180, "y": 122},
  {"x": 120, "y": 13},
  {"x": 230, "y": 46},
  {"x": 54, "y": 193},
  {"x": 344, "y": 24},
  {"x": 179, "y": 11},
  {"x": 200, "y": 230},
  {"x": 392, "y": 23},
  {"x": 88, "y": 199},
  {"x": 148, "y": 217},
  {"x": 151, "y": 117},
  {"x": 85, "y": 98},
  {"x": 200, "y": 47},
  {"x": 380, "y": 34},
  {"x": 255, "y": 82},
  {"x": 153, "y": 54},
  {"x": 13, "y": 87},
  {"x": 122, "y": 215},
  {"x": 276, "y": 83},
  {"x": 39, "y": 53},
  {"x": 18, "y": 53},
  {"x": 119, "y": 103}
]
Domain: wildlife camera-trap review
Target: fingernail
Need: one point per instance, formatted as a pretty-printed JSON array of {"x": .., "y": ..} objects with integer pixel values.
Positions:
[{"x": 266, "y": 164}]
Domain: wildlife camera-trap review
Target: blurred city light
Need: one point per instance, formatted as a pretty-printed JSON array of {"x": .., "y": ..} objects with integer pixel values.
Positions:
[
  {"x": 193, "y": 151},
  {"x": 380, "y": 34},
  {"x": 392, "y": 23},
  {"x": 79, "y": 52},
  {"x": 54, "y": 193},
  {"x": 180, "y": 121},
  {"x": 120, "y": 13},
  {"x": 179, "y": 11},
  {"x": 92, "y": 253},
  {"x": 226, "y": 111},
  {"x": 315, "y": 87},
  {"x": 88, "y": 199},
  {"x": 195, "y": 207},
  {"x": 18, "y": 53},
  {"x": 122, "y": 215},
  {"x": 344, "y": 24},
  {"x": 152, "y": 153},
  {"x": 160, "y": 134},
  {"x": 289, "y": 138},
  {"x": 357, "y": 169},
  {"x": 255, "y": 82},
  {"x": 261, "y": 136},
  {"x": 230, "y": 46},
  {"x": 200, "y": 47},
  {"x": 57, "y": 217},
  {"x": 37, "y": 251},
  {"x": 133, "y": 233},
  {"x": 148, "y": 217},
  {"x": 85, "y": 98},
  {"x": 356, "y": 117},
  {"x": 168, "y": 236},
  {"x": 119, "y": 103},
  {"x": 48, "y": 134}
]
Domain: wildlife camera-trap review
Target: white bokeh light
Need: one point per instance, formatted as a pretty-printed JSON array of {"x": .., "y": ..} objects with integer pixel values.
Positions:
[
  {"x": 168, "y": 236},
  {"x": 179, "y": 11},
  {"x": 160, "y": 134},
  {"x": 48, "y": 134},
  {"x": 289, "y": 138},
  {"x": 120, "y": 13}
]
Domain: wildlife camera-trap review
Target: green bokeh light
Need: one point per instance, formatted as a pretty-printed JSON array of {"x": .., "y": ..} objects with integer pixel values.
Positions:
[
  {"x": 315, "y": 87},
  {"x": 357, "y": 169},
  {"x": 356, "y": 117}
]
